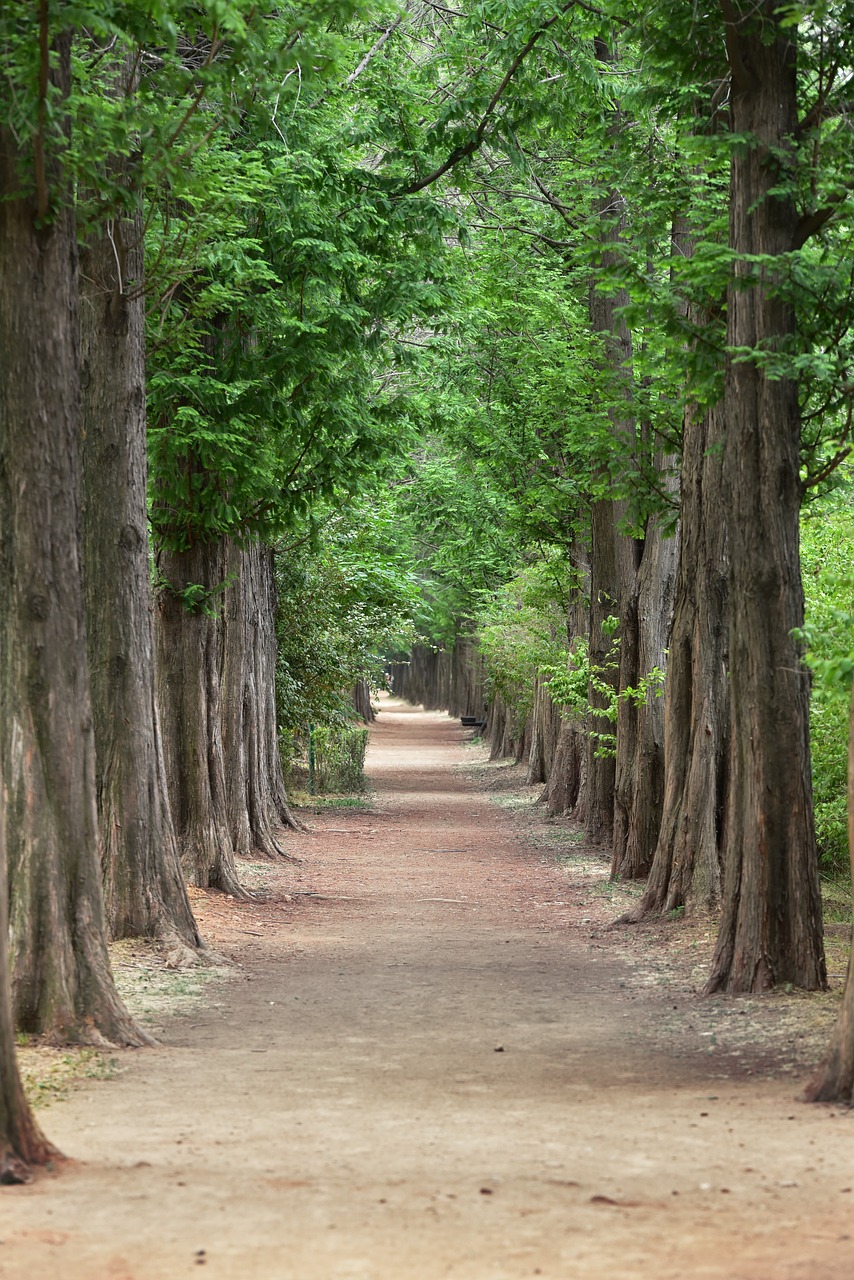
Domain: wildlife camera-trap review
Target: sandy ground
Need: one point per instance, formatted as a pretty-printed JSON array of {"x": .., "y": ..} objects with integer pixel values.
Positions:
[{"x": 426, "y": 1066}]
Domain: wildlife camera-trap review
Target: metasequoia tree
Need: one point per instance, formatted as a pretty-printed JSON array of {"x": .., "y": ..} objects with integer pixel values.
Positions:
[
  {"x": 688, "y": 844},
  {"x": 686, "y": 867},
  {"x": 144, "y": 888},
  {"x": 771, "y": 929},
  {"x": 62, "y": 986}
]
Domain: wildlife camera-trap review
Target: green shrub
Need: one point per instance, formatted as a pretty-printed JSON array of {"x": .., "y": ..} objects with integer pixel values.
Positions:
[
  {"x": 827, "y": 543},
  {"x": 339, "y": 759}
]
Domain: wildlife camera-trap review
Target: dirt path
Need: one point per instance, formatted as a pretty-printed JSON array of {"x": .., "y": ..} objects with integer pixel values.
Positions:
[{"x": 422, "y": 1069}]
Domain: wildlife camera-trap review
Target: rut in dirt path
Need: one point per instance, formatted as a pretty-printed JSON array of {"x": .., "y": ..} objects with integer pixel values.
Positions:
[{"x": 423, "y": 1069}]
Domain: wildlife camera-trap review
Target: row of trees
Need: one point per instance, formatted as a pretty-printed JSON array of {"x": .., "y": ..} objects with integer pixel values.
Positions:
[
  {"x": 249, "y": 259},
  {"x": 666, "y": 335},
  {"x": 202, "y": 280}
]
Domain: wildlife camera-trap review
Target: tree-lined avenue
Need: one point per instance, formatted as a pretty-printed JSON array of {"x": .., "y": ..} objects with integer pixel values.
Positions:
[{"x": 423, "y": 1068}]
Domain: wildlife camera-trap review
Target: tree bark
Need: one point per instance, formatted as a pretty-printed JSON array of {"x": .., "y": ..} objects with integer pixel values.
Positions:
[
  {"x": 362, "y": 702},
  {"x": 612, "y": 566},
  {"x": 545, "y": 729},
  {"x": 771, "y": 930},
  {"x": 686, "y": 868},
  {"x": 144, "y": 888},
  {"x": 834, "y": 1081},
  {"x": 22, "y": 1143},
  {"x": 567, "y": 784},
  {"x": 255, "y": 789},
  {"x": 189, "y": 666},
  {"x": 62, "y": 986},
  {"x": 639, "y": 782},
  {"x": 565, "y": 788}
]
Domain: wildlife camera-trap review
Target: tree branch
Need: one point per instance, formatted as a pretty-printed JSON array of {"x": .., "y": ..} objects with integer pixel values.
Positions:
[
  {"x": 378, "y": 44},
  {"x": 469, "y": 148},
  {"x": 742, "y": 76},
  {"x": 811, "y": 223}
]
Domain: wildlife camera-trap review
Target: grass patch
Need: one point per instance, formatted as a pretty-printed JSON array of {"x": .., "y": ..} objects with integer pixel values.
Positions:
[
  {"x": 324, "y": 804},
  {"x": 50, "y": 1075},
  {"x": 151, "y": 990},
  {"x": 836, "y": 901}
]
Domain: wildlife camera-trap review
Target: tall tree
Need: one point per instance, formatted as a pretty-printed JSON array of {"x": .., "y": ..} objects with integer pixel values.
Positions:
[
  {"x": 771, "y": 926},
  {"x": 144, "y": 888},
  {"x": 62, "y": 986}
]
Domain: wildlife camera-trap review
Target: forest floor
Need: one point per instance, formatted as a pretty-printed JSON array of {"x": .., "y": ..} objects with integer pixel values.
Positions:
[{"x": 430, "y": 1057}]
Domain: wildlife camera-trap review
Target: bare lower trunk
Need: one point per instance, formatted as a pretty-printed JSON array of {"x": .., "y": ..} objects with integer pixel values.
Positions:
[
  {"x": 255, "y": 791},
  {"x": 503, "y": 737},
  {"x": 545, "y": 728},
  {"x": 771, "y": 924},
  {"x": 565, "y": 789},
  {"x": 466, "y": 692},
  {"x": 62, "y": 986},
  {"x": 639, "y": 784},
  {"x": 362, "y": 702},
  {"x": 567, "y": 785},
  {"x": 686, "y": 869},
  {"x": 608, "y": 571},
  {"x": 22, "y": 1143},
  {"x": 834, "y": 1081},
  {"x": 189, "y": 665},
  {"x": 144, "y": 888}
]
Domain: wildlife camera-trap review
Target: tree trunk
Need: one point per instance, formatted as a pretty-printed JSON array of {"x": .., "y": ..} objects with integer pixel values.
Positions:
[
  {"x": 567, "y": 785},
  {"x": 255, "y": 788},
  {"x": 62, "y": 986},
  {"x": 771, "y": 928},
  {"x": 611, "y": 567},
  {"x": 834, "y": 1081},
  {"x": 686, "y": 868},
  {"x": 362, "y": 702},
  {"x": 639, "y": 783},
  {"x": 144, "y": 888},
  {"x": 611, "y": 554},
  {"x": 544, "y": 723},
  {"x": 565, "y": 789},
  {"x": 189, "y": 666},
  {"x": 21, "y": 1142}
]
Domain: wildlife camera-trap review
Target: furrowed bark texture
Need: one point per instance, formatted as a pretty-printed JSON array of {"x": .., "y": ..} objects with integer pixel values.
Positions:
[
  {"x": 144, "y": 887},
  {"x": 771, "y": 924},
  {"x": 362, "y": 702},
  {"x": 22, "y": 1143},
  {"x": 545, "y": 727},
  {"x": 639, "y": 783},
  {"x": 834, "y": 1081},
  {"x": 62, "y": 986},
  {"x": 189, "y": 665},
  {"x": 255, "y": 789},
  {"x": 686, "y": 868}
]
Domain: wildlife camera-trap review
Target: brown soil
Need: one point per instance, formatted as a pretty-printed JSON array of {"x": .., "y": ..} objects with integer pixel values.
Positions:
[{"x": 434, "y": 1060}]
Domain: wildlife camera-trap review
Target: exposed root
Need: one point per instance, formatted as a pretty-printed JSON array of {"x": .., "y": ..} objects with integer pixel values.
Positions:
[{"x": 13, "y": 1171}]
